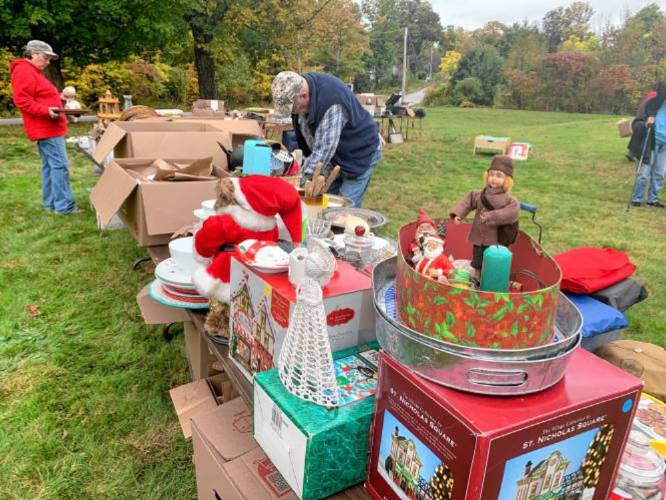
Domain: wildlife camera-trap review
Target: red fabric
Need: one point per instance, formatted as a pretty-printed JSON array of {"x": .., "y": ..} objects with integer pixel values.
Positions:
[
  {"x": 274, "y": 196},
  {"x": 441, "y": 264},
  {"x": 219, "y": 230},
  {"x": 589, "y": 269},
  {"x": 424, "y": 217},
  {"x": 34, "y": 94}
]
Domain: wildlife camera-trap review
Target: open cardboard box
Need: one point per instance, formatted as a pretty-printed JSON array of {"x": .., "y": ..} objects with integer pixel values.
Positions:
[
  {"x": 229, "y": 464},
  {"x": 152, "y": 211},
  {"x": 173, "y": 138}
]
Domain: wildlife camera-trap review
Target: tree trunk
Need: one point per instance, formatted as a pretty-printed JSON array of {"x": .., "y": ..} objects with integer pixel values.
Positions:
[
  {"x": 204, "y": 62},
  {"x": 54, "y": 73}
]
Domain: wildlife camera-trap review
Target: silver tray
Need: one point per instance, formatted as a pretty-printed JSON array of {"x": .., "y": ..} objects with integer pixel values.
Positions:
[
  {"x": 471, "y": 369},
  {"x": 373, "y": 219}
]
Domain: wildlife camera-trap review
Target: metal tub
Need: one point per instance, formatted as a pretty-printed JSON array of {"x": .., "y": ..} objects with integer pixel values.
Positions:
[{"x": 471, "y": 369}]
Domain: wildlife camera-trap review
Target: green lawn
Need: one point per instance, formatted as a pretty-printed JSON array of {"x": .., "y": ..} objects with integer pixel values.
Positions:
[{"x": 84, "y": 408}]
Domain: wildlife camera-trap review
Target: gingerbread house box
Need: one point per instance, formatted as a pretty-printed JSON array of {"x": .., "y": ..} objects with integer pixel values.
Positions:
[
  {"x": 475, "y": 318},
  {"x": 261, "y": 305},
  {"x": 430, "y": 442}
]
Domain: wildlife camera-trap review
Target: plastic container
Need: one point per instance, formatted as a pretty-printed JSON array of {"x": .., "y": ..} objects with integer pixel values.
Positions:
[
  {"x": 256, "y": 157},
  {"x": 496, "y": 269},
  {"x": 641, "y": 473}
]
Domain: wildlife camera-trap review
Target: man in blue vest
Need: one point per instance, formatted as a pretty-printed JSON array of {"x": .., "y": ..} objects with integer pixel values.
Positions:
[{"x": 332, "y": 128}]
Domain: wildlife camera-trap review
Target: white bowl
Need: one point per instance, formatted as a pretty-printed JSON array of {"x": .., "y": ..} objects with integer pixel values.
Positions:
[
  {"x": 208, "y": 205},
  {"x": 182, "y": 252},
  {"x": 202, "y": 214}
]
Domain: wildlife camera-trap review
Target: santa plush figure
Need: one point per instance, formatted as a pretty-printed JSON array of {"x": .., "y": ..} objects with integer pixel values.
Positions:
[
  {"x": 435, "y": 263},
  {"x": 425, "y": 228},
  {"x": 246, "y": 209}
]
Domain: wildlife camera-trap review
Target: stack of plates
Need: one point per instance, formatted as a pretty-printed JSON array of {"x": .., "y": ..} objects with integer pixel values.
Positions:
[{"x": 173, "y": 287}]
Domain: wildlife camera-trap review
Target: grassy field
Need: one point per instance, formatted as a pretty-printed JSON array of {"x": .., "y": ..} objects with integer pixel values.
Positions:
[{"x": 84, "y": 408}]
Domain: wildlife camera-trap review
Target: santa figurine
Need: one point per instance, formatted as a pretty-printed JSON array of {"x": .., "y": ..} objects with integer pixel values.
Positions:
[
  {"x": 425, "y": 228},
  {"x": 435, "y": 263},
  {"x": 246, "y": 209}
]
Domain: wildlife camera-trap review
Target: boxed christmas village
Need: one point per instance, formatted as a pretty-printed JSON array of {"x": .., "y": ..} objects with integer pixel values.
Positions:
[{"x": 482, "y": 390}]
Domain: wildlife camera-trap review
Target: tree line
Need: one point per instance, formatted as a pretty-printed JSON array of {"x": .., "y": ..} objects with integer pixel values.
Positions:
[{"x": 174, "y": 51}]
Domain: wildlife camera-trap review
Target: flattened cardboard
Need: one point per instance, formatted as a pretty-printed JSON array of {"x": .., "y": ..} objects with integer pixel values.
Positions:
[
  {"x": 254, "y": 476},
  {"x": 227, "y": 428},
  {"x": 154, "y": 313},
  {"x": 111, "y": 191},
  {"x": 190, "y": 400}
]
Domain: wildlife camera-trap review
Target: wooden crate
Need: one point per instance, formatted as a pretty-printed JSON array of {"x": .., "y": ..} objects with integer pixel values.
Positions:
[{"x": 489, "y": 144}]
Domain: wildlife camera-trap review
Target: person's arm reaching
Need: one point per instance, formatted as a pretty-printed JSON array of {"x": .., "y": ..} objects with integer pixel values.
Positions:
[{"x": 326, "y": 138}]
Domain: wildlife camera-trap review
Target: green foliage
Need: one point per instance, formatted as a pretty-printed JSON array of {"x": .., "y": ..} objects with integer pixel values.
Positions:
[
  {"x": 5, "y": 88},
  {"x": 484, "y": 64},
  {"x": 469, "y": 89},
  {"x": 438, "y": 96}
]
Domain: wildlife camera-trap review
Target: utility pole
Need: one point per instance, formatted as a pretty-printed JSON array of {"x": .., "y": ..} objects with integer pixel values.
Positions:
[
  {"x": 404, "y": 67},
  {"x": 430, "y": 71}
]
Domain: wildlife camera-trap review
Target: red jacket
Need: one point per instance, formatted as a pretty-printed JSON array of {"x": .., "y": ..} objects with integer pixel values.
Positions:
[{"x": 34, "y": 94}]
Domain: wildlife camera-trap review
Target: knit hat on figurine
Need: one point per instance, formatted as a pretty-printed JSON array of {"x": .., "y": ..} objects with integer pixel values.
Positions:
[
  {"x": 423, "y": 217},
  {"x": 265, "y": 197},
  {"x": 502, "y": 163}
]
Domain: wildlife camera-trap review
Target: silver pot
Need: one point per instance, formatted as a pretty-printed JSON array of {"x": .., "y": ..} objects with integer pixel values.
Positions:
[{"x": 472, "y": 369}]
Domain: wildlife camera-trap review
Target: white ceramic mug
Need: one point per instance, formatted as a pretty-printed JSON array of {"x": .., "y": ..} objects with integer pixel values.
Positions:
[{"x": 182, "y": 252}]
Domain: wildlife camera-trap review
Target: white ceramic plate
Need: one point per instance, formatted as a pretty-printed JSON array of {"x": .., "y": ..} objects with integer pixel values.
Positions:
[
  {"x": 268, "y": 269},
  {"x": 378, "y": 242},
  {"x": 156, "y": 292},
  {"x": 168, "y": 272}
]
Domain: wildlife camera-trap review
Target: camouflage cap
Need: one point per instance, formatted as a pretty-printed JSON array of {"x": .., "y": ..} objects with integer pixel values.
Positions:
[
  {"x": 38, "y": 47},
  {"x": 286, "y": 86}
]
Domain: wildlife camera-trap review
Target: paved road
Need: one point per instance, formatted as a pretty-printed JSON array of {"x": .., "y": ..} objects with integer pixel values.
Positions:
[{"x": 415, "y": 97}]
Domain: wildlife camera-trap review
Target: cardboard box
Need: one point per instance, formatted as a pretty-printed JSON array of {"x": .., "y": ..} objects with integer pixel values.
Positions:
[
  {"x": 319, "y": 451},
  {"x": 172, "y": 138},
  {"x": 367, "y": 99},
  {"x": 154, "y": 313},
  {"x": 200, "y": 396},
  {"x": 152, "y": 211},
  {"x": 624, "y": 127},
  {"x": 465, "y": 446},
  {"x": 261, "y": 305},
  {"x": 229, "y": 465},
  {"x": 208, "y": 107}
]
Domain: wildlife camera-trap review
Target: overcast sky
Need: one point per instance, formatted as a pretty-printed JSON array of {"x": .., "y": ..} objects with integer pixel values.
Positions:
[{"x": 473, "y": 14}]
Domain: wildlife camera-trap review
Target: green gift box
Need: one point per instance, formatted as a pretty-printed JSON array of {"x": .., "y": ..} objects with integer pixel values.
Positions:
[{"x": 319, "y": 451}]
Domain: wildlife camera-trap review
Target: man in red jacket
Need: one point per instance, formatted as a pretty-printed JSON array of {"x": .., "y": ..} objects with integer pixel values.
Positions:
[{"x": 38, "y": 99}]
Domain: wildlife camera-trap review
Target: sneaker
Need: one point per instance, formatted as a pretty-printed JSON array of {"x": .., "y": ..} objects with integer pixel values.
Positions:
[
  {"x": 657, "y": 204},
  {"x": 73, "y": 211},
  {"x": 636, "y": 203}
]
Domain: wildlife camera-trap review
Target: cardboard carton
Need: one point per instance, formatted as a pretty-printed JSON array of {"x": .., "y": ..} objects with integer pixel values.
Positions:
[
  {"x": 319, "y": 451},
  {"x": 154, "y": 313},
  {"x": 229, "y": 465},
  {"x": 565, "y": 441},
  {"x": 261, "y": 305},
  {"x": 624, "y": 127},
  {"x": 172, "y": 138},
  {"x": 152, "y": 211},
  {"x": 208, "y": 107}
]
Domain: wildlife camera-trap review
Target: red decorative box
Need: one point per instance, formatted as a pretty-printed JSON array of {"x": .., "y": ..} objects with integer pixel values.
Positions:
[
  {"x": 475, "y": 318},
  {"x": 429, "y": 442}
]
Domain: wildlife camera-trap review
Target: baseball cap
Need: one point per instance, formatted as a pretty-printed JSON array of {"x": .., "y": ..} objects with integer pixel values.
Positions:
[
  {"x": 286, "y": 86},
  {"x": 37, "y": 46}
]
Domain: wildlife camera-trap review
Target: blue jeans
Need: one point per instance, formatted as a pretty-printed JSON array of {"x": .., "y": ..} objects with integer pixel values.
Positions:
[
  {"x": 654, "y": 171},
  {"x": 56, "y": 191},
  {"x": 356, "y": 187}
]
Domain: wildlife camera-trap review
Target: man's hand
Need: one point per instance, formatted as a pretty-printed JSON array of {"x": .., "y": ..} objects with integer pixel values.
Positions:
[
  {"x": 457, "y": 220},
  {"x": 650, "y": 121},
  {"x": 53, "y": 113}
]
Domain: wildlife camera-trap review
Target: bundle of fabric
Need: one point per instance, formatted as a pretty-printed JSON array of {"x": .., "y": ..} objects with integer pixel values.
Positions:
[
  {"x": 589, "y": 269},
  {"x": 138, "y": 112}
]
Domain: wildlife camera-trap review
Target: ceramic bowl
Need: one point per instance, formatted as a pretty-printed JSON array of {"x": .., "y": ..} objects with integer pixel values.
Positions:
[{"x": 182, "y": 252}]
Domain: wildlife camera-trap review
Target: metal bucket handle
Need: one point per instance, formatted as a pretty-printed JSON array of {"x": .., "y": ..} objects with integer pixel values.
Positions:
[{"x": 494, "y": 378}]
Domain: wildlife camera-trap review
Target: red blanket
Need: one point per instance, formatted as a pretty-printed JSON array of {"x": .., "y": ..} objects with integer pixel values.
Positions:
[{"x": 589, "y": 269}]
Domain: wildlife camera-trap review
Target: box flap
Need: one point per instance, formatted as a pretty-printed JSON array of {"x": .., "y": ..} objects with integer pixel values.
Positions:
[
  {"x": 112, "y": 136},
  {"x": 154, "y": 313},
  {"x": 168, "y": 206},
  {"x": 228, "y": 428},
  {"x": 111, "y": 191},
  {"x": 190, "y": 400},
  {"x": 255, "y": 476}
]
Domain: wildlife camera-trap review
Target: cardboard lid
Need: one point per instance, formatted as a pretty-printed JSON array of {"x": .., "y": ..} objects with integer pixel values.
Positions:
[
  {"x": 154, "y": 313},
  {"x": 190, "y": 400},
  {"x": 227, "y": 428},
  {"x": 111, "y": 191},
  {"x": 255, "y": 476}
]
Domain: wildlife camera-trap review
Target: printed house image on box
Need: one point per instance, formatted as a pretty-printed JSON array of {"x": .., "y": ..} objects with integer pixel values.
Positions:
[{"x": 411, "y": 468}]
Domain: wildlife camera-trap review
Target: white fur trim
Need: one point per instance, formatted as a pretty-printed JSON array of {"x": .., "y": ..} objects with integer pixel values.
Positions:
[
  {"x": 209, "y": 286},
  {"x": 249, "y": 219}
]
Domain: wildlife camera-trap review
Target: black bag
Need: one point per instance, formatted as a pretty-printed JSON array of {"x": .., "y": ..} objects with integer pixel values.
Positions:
[{"x": 506, "y": 234}]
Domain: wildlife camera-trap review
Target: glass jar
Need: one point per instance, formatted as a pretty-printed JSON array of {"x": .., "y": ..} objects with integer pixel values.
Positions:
[
  {"x": 641, "y": 473},
  {"x": 358, "y": 249}
]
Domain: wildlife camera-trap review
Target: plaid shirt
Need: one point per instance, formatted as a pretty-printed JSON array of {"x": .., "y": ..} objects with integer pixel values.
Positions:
[{"x": 326, "y": 138}]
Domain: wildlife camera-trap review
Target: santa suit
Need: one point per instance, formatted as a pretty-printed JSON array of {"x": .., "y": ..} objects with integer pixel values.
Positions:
[
  {"x": 260, "y": 198},
  {"x": 439, "y": 263}
]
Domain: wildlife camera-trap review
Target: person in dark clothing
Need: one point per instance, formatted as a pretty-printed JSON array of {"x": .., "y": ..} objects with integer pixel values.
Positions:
[
  {"x": 331, "y": 127},
  {"x": 638, "y": 128},
  {"x": 654, "y": 161}
]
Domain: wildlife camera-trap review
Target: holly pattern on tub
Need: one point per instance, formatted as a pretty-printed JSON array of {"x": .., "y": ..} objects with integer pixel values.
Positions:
[{"x": 472, "y": 318}]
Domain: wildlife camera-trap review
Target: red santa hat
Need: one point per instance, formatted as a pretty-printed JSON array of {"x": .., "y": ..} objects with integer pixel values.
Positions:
[
  {"x": 424, "y": 218},
  {"x": 260, "y": 198}
]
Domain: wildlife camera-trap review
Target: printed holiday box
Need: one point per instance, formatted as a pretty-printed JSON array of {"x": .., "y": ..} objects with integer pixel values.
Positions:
[
  {"x": 261, "y": 305},
  {"x": 429, "y": 442}
]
